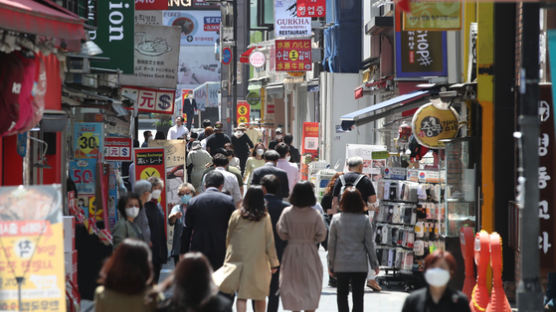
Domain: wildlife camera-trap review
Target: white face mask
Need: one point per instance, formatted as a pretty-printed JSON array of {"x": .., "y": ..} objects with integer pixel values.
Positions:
[
  {"x": 278, "y": 137},
  {"x": 238, "y": 133},
  {"x": 132, "y": 212},
  {"x": 260, "y": 152},
  {"x": 156, "y": 194},
  {"x": 437, "y": 277},
  {"x": 288, "y": 157}
]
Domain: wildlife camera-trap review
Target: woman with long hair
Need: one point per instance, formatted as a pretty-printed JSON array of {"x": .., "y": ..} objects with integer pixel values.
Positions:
[
  {"x": 255, "y": 161},
  {"x": 125, "y": 278},
  {"x": 250, "y": 242}
]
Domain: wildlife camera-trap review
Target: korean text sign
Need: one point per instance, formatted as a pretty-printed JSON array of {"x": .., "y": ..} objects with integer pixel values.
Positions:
[
  {"x": 310, "y": 144},
  {"x": 31, "y": 236},
  {"x": 196, "y": 27},
  {"x": 311, "y": 8},
  {"x": 87, "y": 139},
  {"x": 151, "y": 100},
  {"x": 117, "y": 149},
  {"x": 433, "y": 16},
  {"x": 293, "y": 55}
]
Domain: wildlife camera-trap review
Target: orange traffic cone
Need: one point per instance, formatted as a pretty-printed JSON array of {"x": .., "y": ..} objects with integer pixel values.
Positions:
[
  {"x": 480, "y": 296},
  {"x": 466, "y": 243},
  {"x": 498, "y": 300}
]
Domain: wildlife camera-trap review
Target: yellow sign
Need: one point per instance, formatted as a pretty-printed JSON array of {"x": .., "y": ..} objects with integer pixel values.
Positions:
[
  {"x": 294, "y": 55},
  {"x": 431, "y": 124},
  {"x": 433, "y": 16},
  {"x": 296, "y": 73},
  {"x": 242, "y": 119},
  {"x": 149, "y": 172},
  {"x": 242, "y": 110}
]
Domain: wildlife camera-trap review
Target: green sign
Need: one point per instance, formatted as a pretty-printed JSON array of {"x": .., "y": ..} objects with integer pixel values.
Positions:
[
  {"x": 253, "y": 98},
  {"x": 115, "y": 34},
  {"x": 380, "y": 155}
]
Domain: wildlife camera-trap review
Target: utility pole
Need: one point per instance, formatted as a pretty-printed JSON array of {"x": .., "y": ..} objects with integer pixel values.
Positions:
[
  {"x": 234, "y": 66},
  {"x": 529, "y": 293}
]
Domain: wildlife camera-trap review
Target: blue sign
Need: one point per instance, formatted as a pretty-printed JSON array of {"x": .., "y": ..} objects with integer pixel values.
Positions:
[
  {"x": 226, "y": 56},
  {"x": 83, "y": 174}
]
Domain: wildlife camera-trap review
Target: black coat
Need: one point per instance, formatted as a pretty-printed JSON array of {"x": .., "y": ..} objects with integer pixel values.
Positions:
[
  {"x": 268, "y": 168},
  {"x": 241, "y": 148},
  {"x": 275, "y": 205},
  {"x": 421, "y": 301},
  {"x": 207, "y": 216},
  {"x": 295, "y": 155},
  {"x": 158, "y": 233}
]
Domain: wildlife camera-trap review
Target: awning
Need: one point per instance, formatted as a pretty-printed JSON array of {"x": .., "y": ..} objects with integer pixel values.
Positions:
[
  {"x": 244, "y": 58},
  {"x": 49, "y": 20},
  {"x": 393, "y": 105}
]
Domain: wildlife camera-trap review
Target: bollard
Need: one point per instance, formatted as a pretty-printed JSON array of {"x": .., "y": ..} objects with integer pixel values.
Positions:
[
  {"x": 480, "y": 296},
  {"x": 466, "y": 237},
  {"x": 498, "y": 300}
]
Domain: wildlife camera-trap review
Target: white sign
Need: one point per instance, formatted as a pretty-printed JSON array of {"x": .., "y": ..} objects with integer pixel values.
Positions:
[
  {"x": 206, "y": 95},
  {"x": 257, "y": 59},
  {"x": 286, "y": 22},
  {"x": 197, "y": 27},
  {"x": 197, "y": 65}
]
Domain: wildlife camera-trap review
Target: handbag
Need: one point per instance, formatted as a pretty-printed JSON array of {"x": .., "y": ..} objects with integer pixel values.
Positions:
[{"x": 227, "y": 277}]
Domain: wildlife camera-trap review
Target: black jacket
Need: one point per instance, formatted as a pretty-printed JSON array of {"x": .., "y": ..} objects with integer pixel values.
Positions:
[
  {"x": 207, "y": 216},
  {"x": 421, "y": 301},
  {"x": 158, "y": 233},
  {"x": 275, "y": 205},
  {"x": 295, "y": 155},
  {"x": 269, "y": 168}
]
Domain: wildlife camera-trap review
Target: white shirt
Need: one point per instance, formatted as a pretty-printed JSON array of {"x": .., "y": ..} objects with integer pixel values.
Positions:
[
  {"x": 230, "y": 184},
  {"x": 176, "y": 132},
  {"x": 292, "y": 171}
]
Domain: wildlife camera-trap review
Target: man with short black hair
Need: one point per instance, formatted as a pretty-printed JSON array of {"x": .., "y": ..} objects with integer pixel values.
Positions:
[
  {"x": 294, "y": 152},
  {"x": 148, "y": 135},
  {"x": 218, "y": 139},
  {"x": 283, "y": 163},
  {"x": 271, "y": 157},
  {"x": 207, "y": 216},
  {"x": 206, "y": 123},
  {"x": 231, "y": 184}
]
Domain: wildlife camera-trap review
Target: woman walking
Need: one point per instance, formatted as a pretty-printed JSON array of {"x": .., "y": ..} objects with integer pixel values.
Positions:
[
  {"x": 255, "y": 161},
  {"x": 250, "y": 242},
  {"x": 350, "y": 245},
  {"x": 301, "y": 271},
  {"x": 129, "y": 206}
]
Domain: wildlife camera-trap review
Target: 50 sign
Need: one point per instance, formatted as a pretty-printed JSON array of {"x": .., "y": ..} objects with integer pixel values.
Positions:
[{"x": 83, "y": 174}]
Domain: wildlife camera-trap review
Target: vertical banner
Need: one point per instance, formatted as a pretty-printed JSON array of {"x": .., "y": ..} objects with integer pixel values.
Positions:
[
  {"x": 87, "y": 140},
  {"x": 32, "y": 243},
  {"x": 547, "y": 185},
  {"x": 243, "y": 112},
  {"x": 149, "y": 162},
  {"x": 310, "y": 140},
  {"x": 311, "y": 8},
  {"x": 552, "y": 60},
  {"x": 83, "y": 174}
]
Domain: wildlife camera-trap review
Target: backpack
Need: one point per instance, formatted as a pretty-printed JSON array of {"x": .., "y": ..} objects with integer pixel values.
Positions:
[{"x": 344, "y": 185}]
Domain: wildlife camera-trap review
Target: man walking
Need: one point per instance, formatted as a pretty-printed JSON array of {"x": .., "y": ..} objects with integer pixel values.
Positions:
[
  {"x": 271, "y": 157},
  {"x": 218, "y": 139},
  {"x": 284, "y": 164},
  {"x": 231, "y": 184},
  {"x": 177, "y": 131}
]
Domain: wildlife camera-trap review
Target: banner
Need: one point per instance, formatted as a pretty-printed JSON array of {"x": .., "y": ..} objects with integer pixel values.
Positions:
[
  {"x": 192, "y": 5},
  {"x": 149, "y": 162},
  {"x": 87, "y": 139},
  {"x": 31, "y": 238},
  {"x": 114, "y": 33},
  {"x": 159, "y": 101},
  {"x": 243, "y": 112},
  {"x": 156, "y": 56},
  {"x": 197, "y": 65},
  {"x": 206, "y": 95},
  {"x": 293, "y": 55},
  {"x": 83, "y": 174},
  {"x": 197, "y": 27},
  {"x": 311, "y": 8},
  {"x": 286, "y": 22},
  {"x": 117, "y": 149},
  {"x": 148, "y": 17},
  {"x": 151, "y": 5},
  {"x": 310, "y": 141},
  {"x": 433, "y": 16}
]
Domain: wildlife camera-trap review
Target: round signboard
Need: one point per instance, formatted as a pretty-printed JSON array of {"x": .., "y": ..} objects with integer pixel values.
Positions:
[
  {"x": 257, "y": 59},
  {"x": 226, "y": 56},
  {"x": 253, "y": 98},
  {"x": 431, "y": 124}
]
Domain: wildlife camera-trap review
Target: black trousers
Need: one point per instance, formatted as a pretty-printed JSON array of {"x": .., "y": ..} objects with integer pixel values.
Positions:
[
  {"x": 273, "y": 298},
  {"x": 156, "y": 272},
  {"x": 357, "y": 281}
]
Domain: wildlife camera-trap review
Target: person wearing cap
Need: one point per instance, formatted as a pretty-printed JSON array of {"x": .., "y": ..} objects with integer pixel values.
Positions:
[
  {"x": 178, "y": 130},
  {"x": 198, "y": 158},
  {"x": 278, "y": 137},
  {"x": 218, "y": 139},
  {"x": 242, "y": 145}
]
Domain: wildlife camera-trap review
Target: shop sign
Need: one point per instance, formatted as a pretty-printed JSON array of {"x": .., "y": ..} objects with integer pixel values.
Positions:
[
  {"x": 433, "y": 16},
  {"x": 253, "y": 98},
  {"x": 197, "y": 27},
  {"x": 87, "y": 139},
  {"x": 310, "y": 140},
  {"x": 157, "y": 50},
  {"x": 117, "y": 149},
  {"x": 192, "y": 5},
  {"x": 31, "y": 236},
  {"x": 148, "y": 100},
  {"x": 257, "y": 59},
  {"x": 293, "y": 55},
  {"x": 243, "y": 112},
  {"x": 286, "y": 22},
  {"x": 547, "y": 185},
  {"x": 420, "y": 54},
  {"x": 83, "y": 174},
  {"x": 431, "y": 125},
  {"x": 148, "y": 17},
  {"x": 115, "y": 33},
  {"x": 206, "y": 95},
  {"x": 311, "y": 8},
  {"x": 151, "y": 5},
  {"x": 149, "y": 162},
  {"x": 394, "y": 173}
]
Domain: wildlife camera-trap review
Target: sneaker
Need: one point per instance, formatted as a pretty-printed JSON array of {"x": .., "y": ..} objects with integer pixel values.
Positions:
[
  {"x": 372, "y": 284},
  {"x": 332, "y": 282}
]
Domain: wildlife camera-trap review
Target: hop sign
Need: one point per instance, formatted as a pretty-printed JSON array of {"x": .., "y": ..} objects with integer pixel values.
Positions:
[{"x": 243, "y": 111}]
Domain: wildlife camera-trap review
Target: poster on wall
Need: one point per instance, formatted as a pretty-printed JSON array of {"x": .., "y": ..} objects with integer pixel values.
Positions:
[
  {"x": 206, "y": 95},
  {"x": 83, "y": 174},
  {"x": 310, "y": 140},
  {"x": 197, "y": 65},
  {"x": 374, "y": 157},
  {"x": 196, "y": 27},
  {"x": 286, "y": 22},
  {"x": 433, "y": 16},
  {"x": 87, "y": 139},
  {"x": 156, "y": 55},
  {"x": 32, "y": 239},
  {"x": 148, "y": 17}
]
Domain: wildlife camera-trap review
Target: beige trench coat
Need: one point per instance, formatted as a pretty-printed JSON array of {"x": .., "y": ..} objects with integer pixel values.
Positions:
[
  {"x": 301, "y": 269},
  {"x": 251, "y": 243}
]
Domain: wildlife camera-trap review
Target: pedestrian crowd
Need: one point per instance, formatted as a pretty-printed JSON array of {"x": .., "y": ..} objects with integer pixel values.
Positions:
[{"x": 246, "y": 228}]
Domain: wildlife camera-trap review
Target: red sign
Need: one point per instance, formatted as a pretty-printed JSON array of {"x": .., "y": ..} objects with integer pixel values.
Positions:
[
  {"x": 149, "y": 100},
  {"x": 151, "y": 5},
  {"x": 293, "y": 55},
  {"x": 117, "y": 149},
  {"x": 149, "y": 162},
  {"x": 311, "y": 8},
  {"x": 310, "y": 143},
  {"x": 243, "y": 111}
]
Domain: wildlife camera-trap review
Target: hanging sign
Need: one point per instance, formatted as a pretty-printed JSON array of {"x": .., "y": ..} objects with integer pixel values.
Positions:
[
  {"x": 149, "y": 162},
  {"x": 310, "y": 140},
  {"x": 293, "y": 55},
  {"x": 197, "y": 27},
  {"x": 83, "y": 174},
  {"x": 117, "y": 149},
  {"x": 32, "y": 248},
  {"x": 151, "y": 100},
  {"x": 243, "y": 111},
  {"x": 433, "y": 16},
  {"x": 311, "y": 8},
  {"x": 87, "y": 139},
  {"x": 431, "y": 125},
  {"x": 286, "y": 22},
  {"x": 257, "y": 59}
]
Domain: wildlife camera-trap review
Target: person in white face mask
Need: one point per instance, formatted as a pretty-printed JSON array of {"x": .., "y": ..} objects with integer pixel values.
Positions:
[
  {"x": 255, "y": 161},
  {"x": 129, "y": 206},
  {"x": 156, "y": 218},
  {"x": 440, "y": 266}
]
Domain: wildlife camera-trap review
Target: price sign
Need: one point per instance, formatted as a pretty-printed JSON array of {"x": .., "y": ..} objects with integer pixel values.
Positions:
[
  {"x": 87, "y": 139},
  {"x": 117, "y": 149},
  {"x": 83, "y": 174},
  {"x": 243, "y": 111}
]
